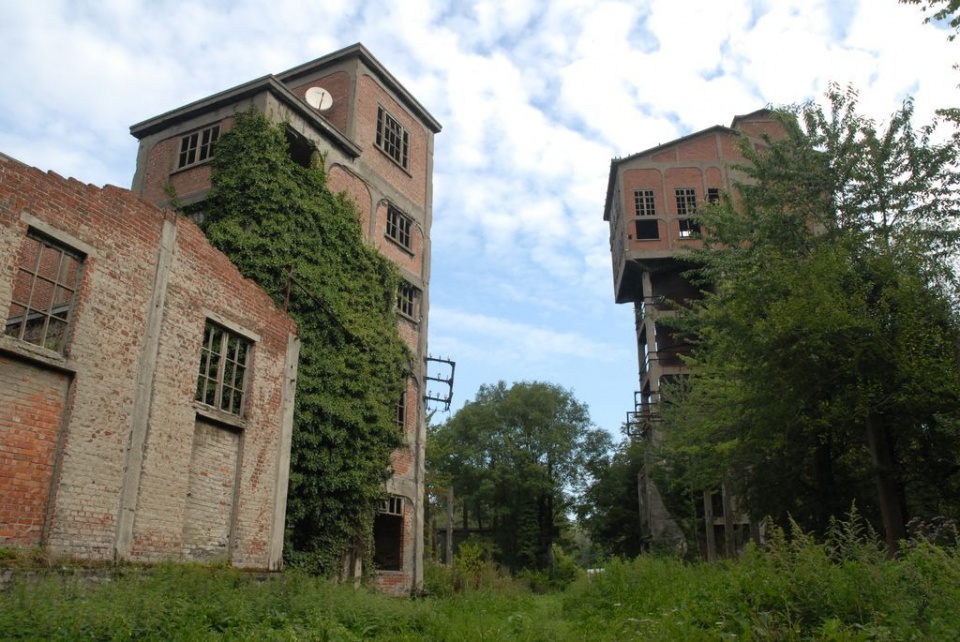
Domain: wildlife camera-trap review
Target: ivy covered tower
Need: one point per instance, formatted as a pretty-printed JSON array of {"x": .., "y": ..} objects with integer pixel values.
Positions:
[{"x": 376, "y": 140}]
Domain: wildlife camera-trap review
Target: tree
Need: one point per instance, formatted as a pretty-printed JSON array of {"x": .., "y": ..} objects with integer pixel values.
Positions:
[
  {"x": 826, "y": 351},
  {"x": 282, "y": 227},
  {"x": 610, "y": 506},
  {"x": 940, "y": 11},
  {"x": 517, "y": 457}
]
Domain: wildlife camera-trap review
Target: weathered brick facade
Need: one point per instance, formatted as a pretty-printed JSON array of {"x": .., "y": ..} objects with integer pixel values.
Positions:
[
  {"x": 650, "y": 208},
  {"x": 352, "y": 133},
  {"x": 105, "y": 453}
]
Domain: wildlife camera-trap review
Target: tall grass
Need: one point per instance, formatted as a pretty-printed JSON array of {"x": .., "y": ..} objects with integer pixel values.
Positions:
[{"x": 843, "y": 588}]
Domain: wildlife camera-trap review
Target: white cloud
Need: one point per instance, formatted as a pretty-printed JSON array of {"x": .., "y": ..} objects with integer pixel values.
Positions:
[{"x": 535, "y": 98}]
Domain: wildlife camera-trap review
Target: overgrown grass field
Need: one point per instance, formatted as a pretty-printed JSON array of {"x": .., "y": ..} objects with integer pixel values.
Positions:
[{"x": 795, "y": 589}]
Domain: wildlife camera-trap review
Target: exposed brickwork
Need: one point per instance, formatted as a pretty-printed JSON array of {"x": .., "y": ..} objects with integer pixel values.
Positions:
[
  {"x": 107, "y": 355},
  {"x": 338, "y": 84},
  {"x": 359, "y": 87},
  {"x": 412, "y": 181},
  {"x": 210, "y": 492},
  {"x": 31, "y": 406}
]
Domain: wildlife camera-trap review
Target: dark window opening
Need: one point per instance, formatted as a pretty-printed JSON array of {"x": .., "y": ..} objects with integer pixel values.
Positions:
[
  {"x": 648, "y": 230},
  {"x": 689, "y": 228},
  {"x": 388, "y": 535},
  {"x": 300, "y": 149},
  {"x": 713, "y": 195}
]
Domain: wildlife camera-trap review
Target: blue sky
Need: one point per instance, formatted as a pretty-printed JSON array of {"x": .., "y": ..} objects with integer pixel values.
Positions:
[{"x": 535, "y": 98}]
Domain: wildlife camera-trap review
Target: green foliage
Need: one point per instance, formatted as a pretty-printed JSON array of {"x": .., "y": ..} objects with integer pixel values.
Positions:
[
  {"x": 609, "y": 508},
  {"x": 825, "y": 368},
  {"x": 516, "y": 458},
  {"x": 270, "y": 216},
  {"x": 841, "y": 588},
  {"x": 947, "y": 11}
]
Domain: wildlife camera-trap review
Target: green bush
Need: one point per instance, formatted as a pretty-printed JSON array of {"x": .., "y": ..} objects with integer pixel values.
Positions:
[{"x": 841, "y": 589}]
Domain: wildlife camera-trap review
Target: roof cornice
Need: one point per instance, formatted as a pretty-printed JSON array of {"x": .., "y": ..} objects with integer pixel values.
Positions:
[
  {"x": 363, "y": 54},
  {"x": 245, "y": 91}
]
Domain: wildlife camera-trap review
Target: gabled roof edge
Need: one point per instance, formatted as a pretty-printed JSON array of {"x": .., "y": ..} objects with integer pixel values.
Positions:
[
  {"x": 268, "y": 83},
  {"x": 369, "y": 60}
]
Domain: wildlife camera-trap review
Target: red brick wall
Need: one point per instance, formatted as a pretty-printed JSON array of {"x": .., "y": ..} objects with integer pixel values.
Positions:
[
  {"x": 31, "y": 407},
  {"x": 121, "y": 236},
  {"x": 411, "y": 183},
  {"x": 338, "y": 84}
]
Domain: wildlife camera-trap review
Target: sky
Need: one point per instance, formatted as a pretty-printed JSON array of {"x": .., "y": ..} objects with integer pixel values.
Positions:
[{"x": 535, "y": 98}]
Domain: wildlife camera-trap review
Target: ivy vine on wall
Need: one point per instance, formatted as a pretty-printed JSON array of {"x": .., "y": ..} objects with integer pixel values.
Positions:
[{"x": 273, "y": 218}]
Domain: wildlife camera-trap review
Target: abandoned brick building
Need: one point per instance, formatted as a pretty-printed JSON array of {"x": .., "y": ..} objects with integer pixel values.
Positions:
[
  {"x": 651, "y": 204},
  {"x": 377, "y": 143},
  {"x": 146, "y": 388}
]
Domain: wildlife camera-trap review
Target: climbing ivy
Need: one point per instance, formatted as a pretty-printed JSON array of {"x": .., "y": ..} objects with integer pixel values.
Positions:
[{"x": 271, "y": 215}]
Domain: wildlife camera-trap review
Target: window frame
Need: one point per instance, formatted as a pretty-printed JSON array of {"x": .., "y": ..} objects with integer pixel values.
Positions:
[
  {"x": 392, "y": 139},
  {"x": 645, "y": 225},
  {"x": 408, "y": 300},
  {"x": 644, "y": 202},
  {"x": 401, "y": 417},
  {"x": 389, "y": 518},
  {"x": 689, "y": 228},
  {"x": 686, "y": 201},
  {"x": 216, "y": 383},
  {"x": 196, "y": 147},
  {"x": 62, "y": 312},
  {"x": 399, "y": 227}
]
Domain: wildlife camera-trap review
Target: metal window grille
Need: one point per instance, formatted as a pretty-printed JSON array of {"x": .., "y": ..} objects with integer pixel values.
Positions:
[
  {"x": 198, "y": 146},
  {"x": 398, "y": 226},
  {"x": 223, "y": 369},
  {"x": 643, "y": 202},
  {"x": 43, "y": 293},
  {"x": 686, "y": 202},
  {"x": 407, "y": 299},
  {"x": 392, "y": 138}
]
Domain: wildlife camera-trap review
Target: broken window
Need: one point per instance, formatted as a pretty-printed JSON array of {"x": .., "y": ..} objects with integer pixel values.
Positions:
[
  {"x": 645, "y": 209},
  {"x": 689, "y": 228},
  {"x": 398, "y": 226},
  {"x": 687, "y": 206},
  {"x": 300, "y": 148},
  {"x": 43, "y": 292},
  {"x": 713, "y": 195},
  {"x": 223, "y": 369},
  {"x": 198, "y": 146},
  {"x": 388, "y": 535},
  {"x": 408, "y": 300},
  {"x": 392, "y": 138}
]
